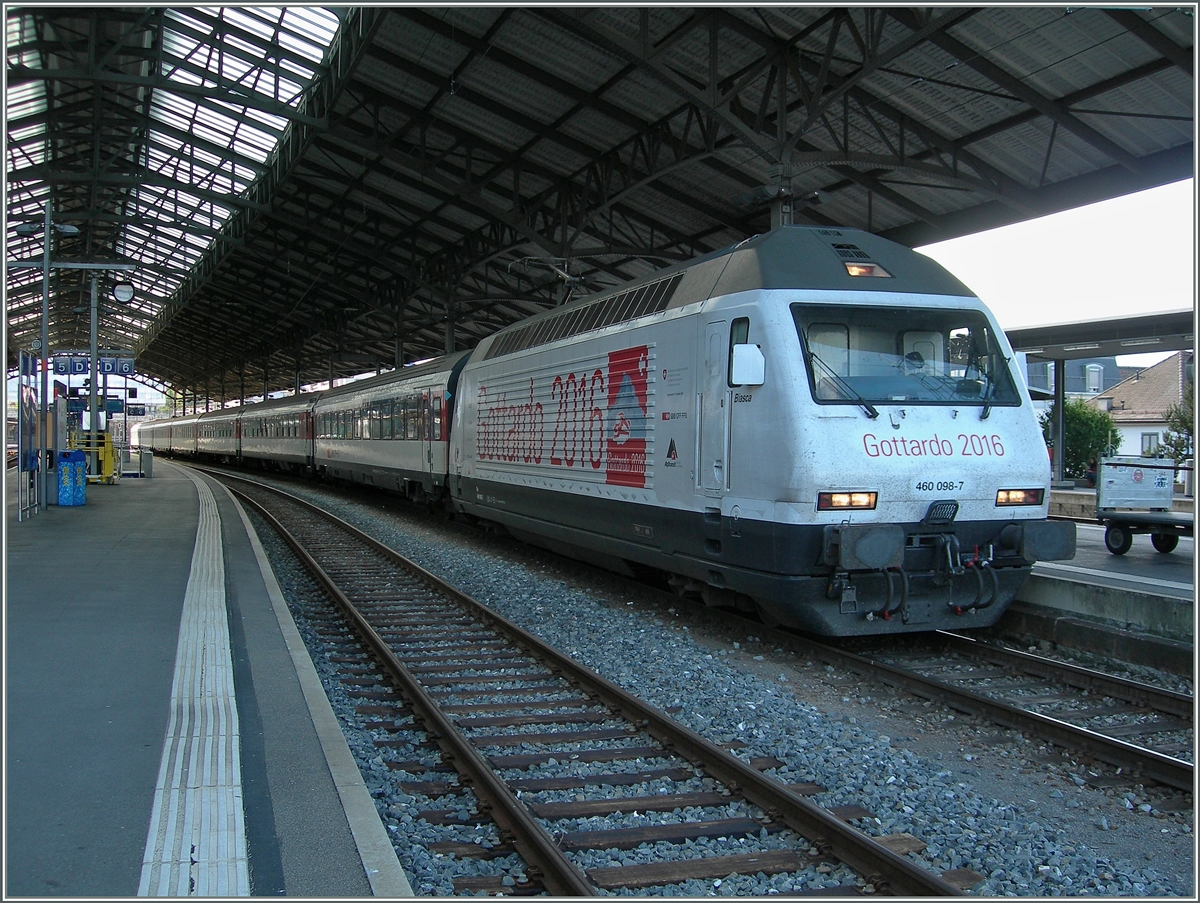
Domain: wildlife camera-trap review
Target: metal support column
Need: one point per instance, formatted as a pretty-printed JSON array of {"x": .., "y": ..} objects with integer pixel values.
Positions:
[
  {"x": 93, "y": 455},
  {"x": 1060, "y": 421},
  {"x": 399, "y": 349},
  {"x": 450, "y": 312},
  {"x": 44, "y": 488}
]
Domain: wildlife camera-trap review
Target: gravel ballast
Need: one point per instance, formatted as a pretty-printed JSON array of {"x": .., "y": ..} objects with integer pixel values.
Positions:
[{"x": 1019, "y": 813}]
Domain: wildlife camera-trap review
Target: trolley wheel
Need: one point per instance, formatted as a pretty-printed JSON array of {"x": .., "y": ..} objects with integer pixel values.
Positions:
[
  {"x": 1164, "y": 542},
  {"x": 1118, "y": 539}
]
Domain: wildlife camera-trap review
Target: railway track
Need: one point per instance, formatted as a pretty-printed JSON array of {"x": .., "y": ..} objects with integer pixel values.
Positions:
[
  {"x": 541, "y": 746},
  {"x": 1131, "y": 725}
]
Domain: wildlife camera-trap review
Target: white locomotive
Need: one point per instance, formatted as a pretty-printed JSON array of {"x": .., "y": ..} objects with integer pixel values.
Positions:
[{"x": 817, "y": 423}]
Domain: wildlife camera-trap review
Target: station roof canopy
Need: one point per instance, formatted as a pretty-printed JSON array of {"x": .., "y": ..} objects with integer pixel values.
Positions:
[
  {"x": 1136, "y": 334},
  {"x": 304, "y": 189}
]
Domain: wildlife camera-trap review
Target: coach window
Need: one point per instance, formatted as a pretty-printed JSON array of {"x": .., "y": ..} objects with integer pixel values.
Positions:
[
  {"x": 411, "y": 418},
  {"x": 739, "y": 334},
  {"x": 437, "y": 417}
]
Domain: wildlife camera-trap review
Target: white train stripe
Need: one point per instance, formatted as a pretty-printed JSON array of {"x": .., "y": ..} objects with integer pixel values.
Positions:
[{"x": 196, "y": 845}]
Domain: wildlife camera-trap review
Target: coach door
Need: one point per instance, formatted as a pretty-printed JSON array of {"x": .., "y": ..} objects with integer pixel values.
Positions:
[
  {"x": 427, "y": 432},
  {"x": 714, "y": 412}
]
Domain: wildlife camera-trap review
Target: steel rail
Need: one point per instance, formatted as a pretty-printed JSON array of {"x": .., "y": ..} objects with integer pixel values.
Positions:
[
  {"x": 1164, "y": 769},
  {"x": 558, "y": 874},
  {"x": 1181, "y": 705},
  {"x": 888, "y": 871}
]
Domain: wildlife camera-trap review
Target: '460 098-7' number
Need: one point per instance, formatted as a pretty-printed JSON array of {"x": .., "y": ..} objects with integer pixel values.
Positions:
[{"x": 939, "y": 486}]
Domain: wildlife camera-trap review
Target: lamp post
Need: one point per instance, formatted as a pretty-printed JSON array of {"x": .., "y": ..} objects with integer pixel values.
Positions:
[
  {"x": 122, "y": 293},
  {"x": 31, "y": 229}
]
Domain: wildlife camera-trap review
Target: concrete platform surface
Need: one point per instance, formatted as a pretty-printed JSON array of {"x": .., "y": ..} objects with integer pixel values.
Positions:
[{"x": 117, "y": 677}]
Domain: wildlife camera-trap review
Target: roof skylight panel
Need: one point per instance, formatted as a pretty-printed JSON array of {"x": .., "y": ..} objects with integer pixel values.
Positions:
[
  {"x": 20, "y": 319},
  {"x": 311, "y": 26},
  {"x": 25, "y": 99}
]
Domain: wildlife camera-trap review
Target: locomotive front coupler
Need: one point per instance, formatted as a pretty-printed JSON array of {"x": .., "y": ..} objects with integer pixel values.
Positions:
[{"x": 948, "y": 563}]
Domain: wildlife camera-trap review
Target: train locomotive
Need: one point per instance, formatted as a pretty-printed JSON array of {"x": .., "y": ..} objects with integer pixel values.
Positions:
[{"x": 816, "y": 423}]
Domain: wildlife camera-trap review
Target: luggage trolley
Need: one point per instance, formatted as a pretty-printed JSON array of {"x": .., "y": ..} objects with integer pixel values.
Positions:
[{"x": 1133, "y": 495}]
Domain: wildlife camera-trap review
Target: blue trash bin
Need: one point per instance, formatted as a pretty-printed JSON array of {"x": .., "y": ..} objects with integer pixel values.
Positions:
[
  {"x": 66, "y": 495},
  {"x": 72, "y": 478}
]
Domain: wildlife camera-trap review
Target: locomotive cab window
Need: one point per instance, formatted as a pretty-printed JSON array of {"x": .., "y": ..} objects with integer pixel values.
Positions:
[
  {"x": 880, "y": 355},
  {"x": 739, "y": 334}
]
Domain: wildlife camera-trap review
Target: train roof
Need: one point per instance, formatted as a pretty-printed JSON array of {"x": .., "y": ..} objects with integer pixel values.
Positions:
[
  {"x": 406, "y": 374},
  {"x": 816, "y": 258}
]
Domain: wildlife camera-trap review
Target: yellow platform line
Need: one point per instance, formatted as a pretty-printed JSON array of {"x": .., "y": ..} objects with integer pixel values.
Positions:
[{"x": 196, "y": 845}]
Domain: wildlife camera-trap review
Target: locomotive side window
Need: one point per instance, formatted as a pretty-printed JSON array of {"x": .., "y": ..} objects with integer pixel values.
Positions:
[
  {"x": 739, "y": 334},
  {"x": 864, "y": 355}
]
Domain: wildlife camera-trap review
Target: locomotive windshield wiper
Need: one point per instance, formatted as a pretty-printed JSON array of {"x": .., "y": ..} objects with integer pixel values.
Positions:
[
  {"x": 848, "y": 390},
  {"x": 990, "y": 394},
  {"x": 987, "y": 400}
]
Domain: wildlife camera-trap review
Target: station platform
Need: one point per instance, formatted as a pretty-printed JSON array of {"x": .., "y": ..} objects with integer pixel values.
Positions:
[
  {"x": 166, "y": 732},
  {"x": 1138, "y": 607}
]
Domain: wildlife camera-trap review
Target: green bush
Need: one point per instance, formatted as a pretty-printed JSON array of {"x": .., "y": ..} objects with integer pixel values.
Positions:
[
  {"x": 1181, "y": 424},
  {"x": 1090, "y": 431}
]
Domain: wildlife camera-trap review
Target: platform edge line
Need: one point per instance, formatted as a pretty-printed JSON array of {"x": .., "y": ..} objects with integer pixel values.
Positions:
[{"x": 380, "y": 863}]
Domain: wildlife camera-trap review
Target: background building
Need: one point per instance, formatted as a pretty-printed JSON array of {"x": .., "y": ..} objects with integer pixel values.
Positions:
[{"x": 1139, "y": 404}]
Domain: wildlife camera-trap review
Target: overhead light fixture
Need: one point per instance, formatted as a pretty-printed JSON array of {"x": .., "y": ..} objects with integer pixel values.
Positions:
[
  {"x": 1089, "y": 347},
  {"x": 27, "y": 229},
  {"x": 1132, "y": 343}
]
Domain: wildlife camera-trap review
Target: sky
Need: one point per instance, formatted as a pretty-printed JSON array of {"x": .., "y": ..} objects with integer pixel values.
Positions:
[{"x": 1130, "y": 255}]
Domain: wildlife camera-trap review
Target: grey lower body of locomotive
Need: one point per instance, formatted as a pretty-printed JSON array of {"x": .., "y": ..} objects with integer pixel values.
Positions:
[{"x": 795, "y": 575}]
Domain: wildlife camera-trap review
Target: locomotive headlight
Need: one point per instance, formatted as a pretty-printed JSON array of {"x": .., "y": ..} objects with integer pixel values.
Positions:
[
  {"x": 1010, "y": 497},
  {"x": 867, "y": 269},
  {"x": 836, "y": 501}
]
